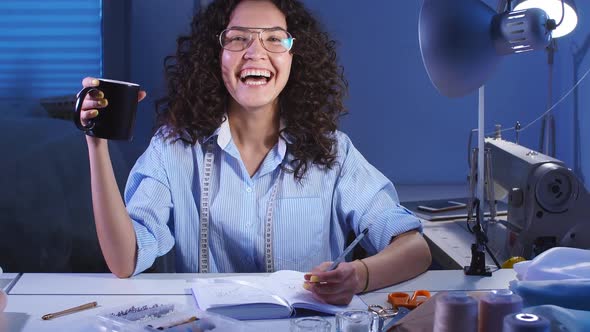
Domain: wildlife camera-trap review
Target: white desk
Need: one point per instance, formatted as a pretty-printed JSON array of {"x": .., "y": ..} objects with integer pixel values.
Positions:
[
  {"x": 57, "y": 292},
  {"x": 99, "y": 284},
  {"x": 179, "y": 283}
]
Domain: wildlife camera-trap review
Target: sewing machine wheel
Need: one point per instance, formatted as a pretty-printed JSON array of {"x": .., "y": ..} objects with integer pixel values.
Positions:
[{"x": 556, "y": 187}]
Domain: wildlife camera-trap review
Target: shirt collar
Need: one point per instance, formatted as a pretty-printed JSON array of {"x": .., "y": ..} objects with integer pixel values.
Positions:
[{"x": 223, "y": 134}]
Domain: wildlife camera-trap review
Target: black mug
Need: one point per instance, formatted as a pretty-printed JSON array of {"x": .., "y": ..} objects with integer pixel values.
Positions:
[{"x": 116, "y": 120}]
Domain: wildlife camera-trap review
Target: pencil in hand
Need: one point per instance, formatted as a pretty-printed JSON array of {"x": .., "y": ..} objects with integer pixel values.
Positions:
[
  {"x": 338, "y": 260},
  {"x": 70, "y": 311},
  {"x": 348, "y": 249}
]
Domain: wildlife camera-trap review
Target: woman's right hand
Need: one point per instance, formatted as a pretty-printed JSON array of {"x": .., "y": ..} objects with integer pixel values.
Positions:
[
  {"x": 95, "y": 100},
  {"x": 114, "y": 228}
]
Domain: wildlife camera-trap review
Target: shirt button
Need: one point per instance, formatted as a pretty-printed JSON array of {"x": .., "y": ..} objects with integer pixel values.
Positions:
[{"x": 249, "y": 189}]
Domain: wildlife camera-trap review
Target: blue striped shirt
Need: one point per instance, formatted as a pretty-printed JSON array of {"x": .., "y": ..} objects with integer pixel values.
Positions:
[{"x": 311, "y": 218}]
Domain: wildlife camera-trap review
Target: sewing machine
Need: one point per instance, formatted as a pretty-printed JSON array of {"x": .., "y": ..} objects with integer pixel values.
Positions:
[{"x": 548, "y": 205}]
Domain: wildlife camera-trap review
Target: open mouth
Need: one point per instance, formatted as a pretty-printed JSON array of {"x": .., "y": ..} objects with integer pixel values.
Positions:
[{"x": 255, "y": 76}]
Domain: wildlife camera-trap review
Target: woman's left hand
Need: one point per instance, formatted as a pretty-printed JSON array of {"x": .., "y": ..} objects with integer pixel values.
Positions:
[{"x": 335, "y": 287}]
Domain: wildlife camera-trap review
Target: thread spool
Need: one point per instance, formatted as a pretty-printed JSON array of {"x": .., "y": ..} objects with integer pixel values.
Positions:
[
  {"x": 494, "y": 306},
  {"x": 455, "y": 311},
  {"x": 522, "y": 322}
]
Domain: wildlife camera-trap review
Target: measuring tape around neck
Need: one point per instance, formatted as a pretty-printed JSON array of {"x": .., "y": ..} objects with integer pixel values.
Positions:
[{"x": 204, "y": 220}]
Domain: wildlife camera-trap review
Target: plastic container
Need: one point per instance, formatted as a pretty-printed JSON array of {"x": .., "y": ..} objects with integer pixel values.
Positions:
[
  {"x": 556, "y": 264},
  {"x": 161, "y": 315}
]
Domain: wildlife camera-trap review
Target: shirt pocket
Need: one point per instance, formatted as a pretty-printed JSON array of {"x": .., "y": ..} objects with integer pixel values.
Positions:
[{"x": 300, "y": 240}]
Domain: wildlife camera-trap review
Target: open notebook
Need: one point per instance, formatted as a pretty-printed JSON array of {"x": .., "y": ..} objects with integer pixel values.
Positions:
[{"x": 277, "y": 295}]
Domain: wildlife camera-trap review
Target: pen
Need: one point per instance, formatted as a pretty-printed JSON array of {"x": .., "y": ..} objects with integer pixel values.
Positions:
[
  {"x": 69, "y": 311},
  {"x": 348, "y": 249}
]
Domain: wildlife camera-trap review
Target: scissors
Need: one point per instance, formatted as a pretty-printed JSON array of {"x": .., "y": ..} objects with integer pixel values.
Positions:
[
  {"x": 404, "y": 300},
  {"x": 392, "y": 314},
  {"x": 384, "y": 313}
]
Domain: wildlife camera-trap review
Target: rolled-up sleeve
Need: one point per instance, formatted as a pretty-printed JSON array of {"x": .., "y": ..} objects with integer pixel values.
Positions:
[
  {"x": 149, "y": 204},
  {"x": 364, "y": 197}
]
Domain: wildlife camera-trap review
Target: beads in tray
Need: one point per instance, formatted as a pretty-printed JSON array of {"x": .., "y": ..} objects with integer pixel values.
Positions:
[
  {"x": 152, "y": 316},
  {"x": 145, "y": 312},
  {"x": 156, "y": 314}
]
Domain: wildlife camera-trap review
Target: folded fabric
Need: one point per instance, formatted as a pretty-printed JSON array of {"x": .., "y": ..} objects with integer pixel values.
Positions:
[
  {"x": 563, "y": 319},
  {"x": 568, "y": 293},
  {"x": 556, "y": 264}
]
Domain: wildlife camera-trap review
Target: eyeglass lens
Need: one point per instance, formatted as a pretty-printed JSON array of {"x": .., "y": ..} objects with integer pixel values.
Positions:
[{"x": 274, "y": 40}]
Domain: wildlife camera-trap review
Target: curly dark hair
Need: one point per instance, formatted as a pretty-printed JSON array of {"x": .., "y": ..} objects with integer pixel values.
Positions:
[{"x": 311, "y": 102}]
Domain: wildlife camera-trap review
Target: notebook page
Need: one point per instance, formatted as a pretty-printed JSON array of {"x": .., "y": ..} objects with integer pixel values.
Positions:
[
  {"x": 240, "y": 299},
  {"x": 224, "y": 292},
  {"x": 289, "y": 285},
  {"x": 280, "y": 289}
]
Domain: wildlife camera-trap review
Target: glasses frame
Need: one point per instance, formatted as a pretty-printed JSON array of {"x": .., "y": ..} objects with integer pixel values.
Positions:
[{"x": 258, "y": 31}]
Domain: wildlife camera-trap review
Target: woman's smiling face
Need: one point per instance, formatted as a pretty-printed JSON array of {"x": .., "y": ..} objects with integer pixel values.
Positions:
[{"x": 255, "y": 77}]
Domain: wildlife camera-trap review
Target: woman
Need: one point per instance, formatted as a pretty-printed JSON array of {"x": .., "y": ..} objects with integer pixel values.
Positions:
[{"x": 247, "y": 171}]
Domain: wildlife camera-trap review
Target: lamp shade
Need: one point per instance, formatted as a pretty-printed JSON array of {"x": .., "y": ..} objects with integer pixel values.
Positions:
[
  {"x": 555, "y": 11},
  {"x": 462, "y": 41},
  {"x": 455, "y": 43}
]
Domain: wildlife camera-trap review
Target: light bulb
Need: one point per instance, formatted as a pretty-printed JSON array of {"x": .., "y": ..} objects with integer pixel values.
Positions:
[{"x": 554, "y": 10}]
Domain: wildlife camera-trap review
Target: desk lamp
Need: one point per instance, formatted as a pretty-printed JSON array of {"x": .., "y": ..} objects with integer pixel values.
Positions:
[{"x": 462, "y": 41}]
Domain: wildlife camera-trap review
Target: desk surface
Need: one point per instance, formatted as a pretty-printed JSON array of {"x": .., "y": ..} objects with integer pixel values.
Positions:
[
  {"x": 101, "y": 284},
  {"x": 179, "y": 283},
  {"x": 36, "y": 294}
]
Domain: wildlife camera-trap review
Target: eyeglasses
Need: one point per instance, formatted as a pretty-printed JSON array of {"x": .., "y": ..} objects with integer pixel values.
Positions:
[{"x": 275, "y": 40}]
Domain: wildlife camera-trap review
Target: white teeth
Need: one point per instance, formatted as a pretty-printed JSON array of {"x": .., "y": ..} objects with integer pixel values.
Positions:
[
  {"x": 249, "y": 82},
  {"x": 255, "y": 72}
]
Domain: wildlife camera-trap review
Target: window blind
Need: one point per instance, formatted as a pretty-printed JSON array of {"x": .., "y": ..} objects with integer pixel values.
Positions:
[{"x": 47, "y": 47}]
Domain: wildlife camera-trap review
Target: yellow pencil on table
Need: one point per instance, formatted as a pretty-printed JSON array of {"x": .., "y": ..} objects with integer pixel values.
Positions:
[{"x": 70, "y": 311}]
